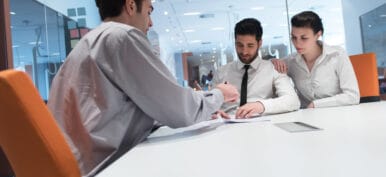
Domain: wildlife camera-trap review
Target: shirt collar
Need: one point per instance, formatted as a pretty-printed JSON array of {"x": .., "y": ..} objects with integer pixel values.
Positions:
[{"x": 255, "y": 63}]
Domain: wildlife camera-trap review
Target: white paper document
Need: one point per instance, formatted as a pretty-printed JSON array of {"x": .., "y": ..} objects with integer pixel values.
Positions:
[{"x": 255, "y": 118}]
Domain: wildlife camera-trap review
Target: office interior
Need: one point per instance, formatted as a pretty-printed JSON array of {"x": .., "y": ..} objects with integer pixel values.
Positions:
[{"x": 191, "y": 37}]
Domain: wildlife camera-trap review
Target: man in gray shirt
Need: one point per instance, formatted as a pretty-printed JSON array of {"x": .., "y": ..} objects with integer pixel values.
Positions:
[{"x": 112, "y": 89}]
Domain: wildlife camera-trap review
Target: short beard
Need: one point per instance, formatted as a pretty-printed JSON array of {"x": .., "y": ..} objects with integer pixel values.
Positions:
[{"x": 250, "y": 61}]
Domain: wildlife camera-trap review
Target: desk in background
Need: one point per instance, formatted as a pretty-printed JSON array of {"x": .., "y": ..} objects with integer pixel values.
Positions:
[{"x": 351, "y": 144}]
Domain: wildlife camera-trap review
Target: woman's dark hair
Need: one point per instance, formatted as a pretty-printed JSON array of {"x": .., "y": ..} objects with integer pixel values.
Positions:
[
  {"x": 112, "y": 8},
  {"x": 308, "y": 19},
  {"x": 249, "y": 26}
]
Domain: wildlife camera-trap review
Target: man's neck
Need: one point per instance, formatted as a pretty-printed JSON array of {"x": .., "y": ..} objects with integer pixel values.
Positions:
[{"x": 118, "y": 19}]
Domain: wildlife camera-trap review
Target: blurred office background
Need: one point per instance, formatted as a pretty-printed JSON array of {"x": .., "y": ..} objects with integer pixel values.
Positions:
[{"x": 191, "y": 37}]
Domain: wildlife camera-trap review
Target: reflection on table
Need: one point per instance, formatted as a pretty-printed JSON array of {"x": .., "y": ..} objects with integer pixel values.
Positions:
[{"x": 352, "y": 143}]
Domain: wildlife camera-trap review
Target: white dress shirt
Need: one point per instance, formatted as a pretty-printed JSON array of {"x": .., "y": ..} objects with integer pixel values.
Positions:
[
  {"x": 265, "y": 84},
  {"x": 110, "y": 91},
  {"x": 331, "y": 82}
]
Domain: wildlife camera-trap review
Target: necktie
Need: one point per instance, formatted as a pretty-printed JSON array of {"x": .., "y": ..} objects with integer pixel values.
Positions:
[{"x": 244, "y": 84}]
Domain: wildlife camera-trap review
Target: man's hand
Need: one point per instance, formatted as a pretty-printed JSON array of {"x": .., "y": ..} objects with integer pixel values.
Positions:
[
  {"x": 280, "y": 66},
  {"x": 229, "y": 91},
  {"x": 220, "y": 113},
  {"x": 250, "y": 109},
  {"x": 311, "y": 105}
]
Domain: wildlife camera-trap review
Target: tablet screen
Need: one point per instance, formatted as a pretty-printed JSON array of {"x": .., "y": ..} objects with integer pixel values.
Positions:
[{"x": 296, "y": 127}]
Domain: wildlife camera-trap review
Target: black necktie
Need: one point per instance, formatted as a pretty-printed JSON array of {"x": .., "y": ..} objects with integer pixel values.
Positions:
[{"x": 244, "y": 84}]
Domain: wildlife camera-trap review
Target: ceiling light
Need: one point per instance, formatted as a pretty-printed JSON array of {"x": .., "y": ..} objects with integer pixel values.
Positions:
[
  {"x": 34, "y": 43},
  {"x": 382, "y": 15},
  {"x": 166, "y": 13},
  {"x": 192, "y": 13},
  {"x": 167, "y": 30},
  {"x": 12, "y": 13},
  {"x": 189, "y": 31},
  {"x": 15, "y": 46},
  {"x": 195, "y": 41},
  {"x": 258, "y": 8}
]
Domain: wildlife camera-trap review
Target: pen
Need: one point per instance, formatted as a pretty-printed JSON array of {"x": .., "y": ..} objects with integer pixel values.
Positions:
[{"x": 231, "y": 108}]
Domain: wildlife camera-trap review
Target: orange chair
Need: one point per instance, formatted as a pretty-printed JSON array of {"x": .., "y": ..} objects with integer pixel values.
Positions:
[
  {"x": 365, "y": 67},
  {"x": 29, "y": 135}
]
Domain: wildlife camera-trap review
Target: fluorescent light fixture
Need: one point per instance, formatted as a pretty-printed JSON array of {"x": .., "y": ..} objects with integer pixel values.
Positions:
[
  {"x": 382, "y": 15},
  {"x": 15, "y": 46},
  {"x": 167, "y": 30},
  {"x": 195, "y": 41},
  {"x": 217, "y": 28},
  {"x": 189, "y": 31},
  {"x": 34, "y": 43},
  {"x": 12, "y": 13},
  {"x": 258, "y": 8},
  {"x": 166, "y": 13},
  {"x": 192, "y": 13}
]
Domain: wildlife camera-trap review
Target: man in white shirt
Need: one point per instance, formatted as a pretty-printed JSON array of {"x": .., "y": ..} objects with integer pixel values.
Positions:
[
  {"x": 112, "y": 89},
  {"x": 265, "y": 91}
]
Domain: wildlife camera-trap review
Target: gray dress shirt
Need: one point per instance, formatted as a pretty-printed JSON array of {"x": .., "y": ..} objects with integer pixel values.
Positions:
[
  {"x": 110, "y": 91},
  {"x": 265, "y": 84},
  {"x": 331, "y": 82}
]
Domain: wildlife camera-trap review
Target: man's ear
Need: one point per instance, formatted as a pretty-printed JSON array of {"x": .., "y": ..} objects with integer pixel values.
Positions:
[
  {"x": 319, "y": 34},
  {"x": 260, "y": 43},
  {"x": 130, "y": 7}
]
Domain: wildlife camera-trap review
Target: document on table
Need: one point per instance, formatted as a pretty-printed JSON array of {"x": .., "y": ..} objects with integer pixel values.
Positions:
[{"x": 254, "y": 118}]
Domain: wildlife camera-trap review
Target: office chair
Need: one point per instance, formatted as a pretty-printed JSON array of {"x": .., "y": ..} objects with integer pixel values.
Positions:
[
  {"x": 29, "y": 135},
  {"x": 365, "y": 68}
]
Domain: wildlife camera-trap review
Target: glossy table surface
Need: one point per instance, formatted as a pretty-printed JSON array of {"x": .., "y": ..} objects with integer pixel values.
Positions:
[{"x": 352, "y": 143}]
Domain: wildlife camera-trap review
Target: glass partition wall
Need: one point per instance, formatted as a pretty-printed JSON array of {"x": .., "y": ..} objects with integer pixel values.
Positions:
[{"x": 191, "y": 37}]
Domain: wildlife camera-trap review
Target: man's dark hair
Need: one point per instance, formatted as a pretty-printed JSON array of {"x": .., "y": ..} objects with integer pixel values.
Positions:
[
  {"x": 112, "y": 8},
  {"x": 249, "y": 26},
  {"x": 308, "y": 19}
]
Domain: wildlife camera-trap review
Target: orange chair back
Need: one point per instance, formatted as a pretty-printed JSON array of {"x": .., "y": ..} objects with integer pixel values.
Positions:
[
  {"x": 365, "y": 67},
  {"x": 29, "y": 135}
]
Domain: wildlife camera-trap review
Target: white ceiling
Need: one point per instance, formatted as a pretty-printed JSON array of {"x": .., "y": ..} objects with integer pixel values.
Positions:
[
  {"x": 211, "y": 29},
  {"x": 192, "y": 33}
]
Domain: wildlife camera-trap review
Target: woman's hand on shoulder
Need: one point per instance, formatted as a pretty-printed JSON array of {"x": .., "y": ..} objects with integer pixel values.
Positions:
[{"x": 280, "y": 65}]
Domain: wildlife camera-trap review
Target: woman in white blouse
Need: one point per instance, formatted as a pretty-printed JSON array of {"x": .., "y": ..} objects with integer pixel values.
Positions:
[{"x": 323, "y": 74}]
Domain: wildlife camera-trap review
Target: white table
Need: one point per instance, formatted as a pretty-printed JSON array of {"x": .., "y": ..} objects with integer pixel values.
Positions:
[{"x": 351, "y": 144}]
